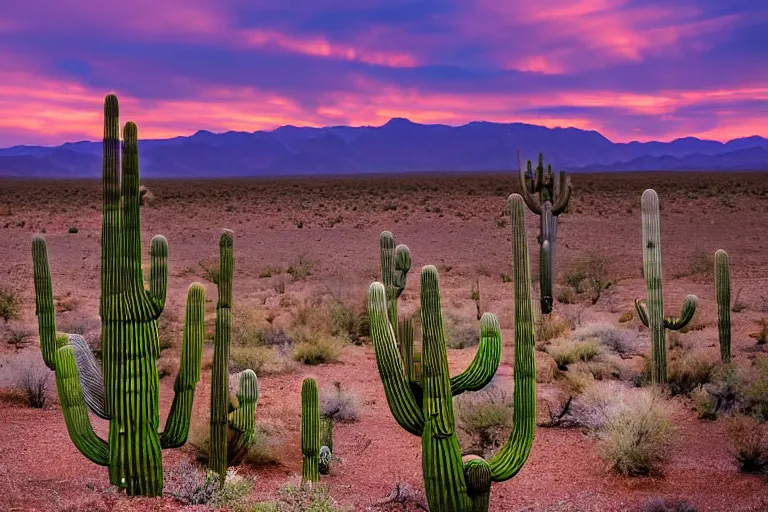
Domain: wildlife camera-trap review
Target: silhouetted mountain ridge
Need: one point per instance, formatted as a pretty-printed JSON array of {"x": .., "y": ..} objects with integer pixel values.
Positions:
[{"x": 398, "y": 146}]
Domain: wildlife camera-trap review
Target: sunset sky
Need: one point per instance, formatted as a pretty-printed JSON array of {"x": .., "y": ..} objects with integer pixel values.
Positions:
[{"x": 631, "y": 69}]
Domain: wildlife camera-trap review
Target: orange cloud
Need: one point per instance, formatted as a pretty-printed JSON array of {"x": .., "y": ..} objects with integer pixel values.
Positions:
[{"x": 48, "y": 111}]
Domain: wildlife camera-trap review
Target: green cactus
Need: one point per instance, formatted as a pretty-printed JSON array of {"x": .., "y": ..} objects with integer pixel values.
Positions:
[
  {"x": 232, "y": 420},
  {"x": 310, "y": 432},
  {"x": 452, "y": 483},
  {"x": 723, "y": 294},
  {"x": 651, "y": 312},
  {"x": 326, "y": 445},
  {"x": 395, "y": 264},
  {"x": 128, "y": 392},
  {"x": 554, "y": 194}
]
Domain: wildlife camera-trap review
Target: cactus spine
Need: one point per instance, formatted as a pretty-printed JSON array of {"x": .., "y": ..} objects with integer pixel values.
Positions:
[
  {"x": 554, "y": 195},
  {"x": 127, "y": 394},
  {"x": 723, "y": 294},
  {"x": 651, "y": 312},
  {"x": 310, "y": 432},
  {"x": 232, "y": 420},
  {"x": 452, "y": 483}
]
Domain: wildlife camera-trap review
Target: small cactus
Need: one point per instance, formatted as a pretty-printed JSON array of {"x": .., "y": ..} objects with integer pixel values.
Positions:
[
  {"x": 310, "y": 432},
  {"x": 651, "y": 312},
  {"x": 554, "y": 194},
  {"x": 723, "y": 295}
]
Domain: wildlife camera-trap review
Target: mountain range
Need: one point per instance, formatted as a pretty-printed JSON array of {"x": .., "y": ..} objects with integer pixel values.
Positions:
[{"x": 396, "y": 147}]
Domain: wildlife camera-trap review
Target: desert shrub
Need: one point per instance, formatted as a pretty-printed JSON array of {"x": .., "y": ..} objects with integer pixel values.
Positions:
[
  {"x": 34, "y": 382},
  {"x": 192, "y": 486},
  {"x": 18, "y": 335},
  {"x": 566, "y": 351},
  {"x": 748, "y": 443},
  {"x": 604, "y": 368},
  {"x": 344, "y": 319},
  {"x": 702, "y": 264},
  {"x": 321, "y": 349},
  {"x": 550, "y": 326},
  {"x": 300, "y": 269},
  {"x": 705, "y": 405},
  {"x": 270, "y": 271},
  {"x": 263, "y": 451},
  {"x": 687, "y": 373},
  {"x": 636, "y": 436},
  {"x": 295, "y": 497},
  {"x": 666, "y": 505},
  {"x": 340, "y": 405},
  {"x": 483, "y": 419},
  {"x": 10, "y": 305},
  {"x": 761, "y": 336},
  {"x": 210, "y": 271},
  {"x": 459, "y": 332},
  {"x": 617, "y": 339},
  {"x": 739, "y": 304},
  {"x": 586, "y": 277},
  {"x": 753, "y": 390},
  {"x": 73, "y": 230},
  {"x": 591, "y": 409}
]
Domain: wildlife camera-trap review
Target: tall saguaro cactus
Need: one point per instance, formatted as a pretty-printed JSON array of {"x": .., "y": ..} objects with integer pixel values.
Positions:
[
  {"x": 232, "y": 420},
  {"x": 554, "y": 194},
  {"x": 723, "y": 295},
  {"x": 453, "y": 483},
  {"x": 651, "y": 312},
  {"x": 128, "y": 392}
]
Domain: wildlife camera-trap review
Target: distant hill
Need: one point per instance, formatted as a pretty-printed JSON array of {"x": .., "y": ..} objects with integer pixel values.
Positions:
[{"x": 398, "y": 146}]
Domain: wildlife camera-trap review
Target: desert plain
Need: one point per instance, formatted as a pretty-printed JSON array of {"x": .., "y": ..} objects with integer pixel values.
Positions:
[{"x": 304, "y": 246}]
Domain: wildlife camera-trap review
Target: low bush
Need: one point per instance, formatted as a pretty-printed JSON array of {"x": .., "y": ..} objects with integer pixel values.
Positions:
[
  {"x": 295, "y": 497},
  {"x": 617, "y": 339},
  {"x": 483, "y": 420},
  {"x": 10, "y": 305},
  {"x": 340, "y": 405},
  {"x": 688, "y": 373},
  {"x": 749, "y": 443},
  {"x": 566, "y": 351},
  {"x": 666, "y": 505},
  {"x": 551, "y": 326}
]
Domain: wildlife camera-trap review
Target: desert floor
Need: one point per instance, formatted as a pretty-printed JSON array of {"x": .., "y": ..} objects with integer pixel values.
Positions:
[{"x": 455, "y": 222}]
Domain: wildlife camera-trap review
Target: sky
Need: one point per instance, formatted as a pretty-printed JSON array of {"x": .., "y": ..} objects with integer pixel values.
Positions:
[{"x": 631, "y": 69}]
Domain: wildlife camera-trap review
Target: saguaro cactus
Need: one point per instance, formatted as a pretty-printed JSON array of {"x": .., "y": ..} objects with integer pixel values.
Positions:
[
  {"x": 232, "y": 419},
  {"x": 651, "y": 312},
  {"x": 554, "y": 194},
  {"x": 310, "y": 432},
  {"x": 454, "y": 483},
  {"x": 723, "y": 295},
  {"x": 128, "y": 392}
]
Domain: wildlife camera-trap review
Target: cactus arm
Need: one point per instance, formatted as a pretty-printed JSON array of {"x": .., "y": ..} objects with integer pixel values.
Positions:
[
  {"x": 402, "y": 266},
  {"x": 686, "y": 314},
  {"x": 397, "y": 389},
  {"x": 310, "y": 431},
  {"x": 74, "y": 408},
  {"x": 387, "y": 249},
  {"x": 177, "y": 423},
  {"x": 44, "y": 309},
  {"x": 515, "y": 452},
  {"x": 130, "y": 203},
  {"x": 91, "y": 379},
  {"x": 527, "y": 195},
  {"x": 441, "y": 456},
  {"x": 485, "y": 363},
  {"x": 641, "y": 307},
  {"x": 723, "y": 295},
  {"x": 405, "y": 338},
  {"x": 111, "y": 227},
  {"x": 220, "y": 371},
  {"x": 158, "y": 271},
  {"x": 242, "y": 423},
  {"x": 563, "y": 194}
]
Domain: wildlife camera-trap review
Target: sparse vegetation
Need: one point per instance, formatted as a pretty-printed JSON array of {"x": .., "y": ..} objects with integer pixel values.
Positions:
[
  {"x": 666, "y": 505},
  {"x": 340, "y": 405},
  {"x": 483, "y": 420},
  {"x": 586, "y": 277},
  {"x": 551, "y": 326},
  {"x": 34, "y": 382},
  {"x": 749, "y": 443},
  {"x": 300, "y": 269},
  {"x": 10, "y": 305}
]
